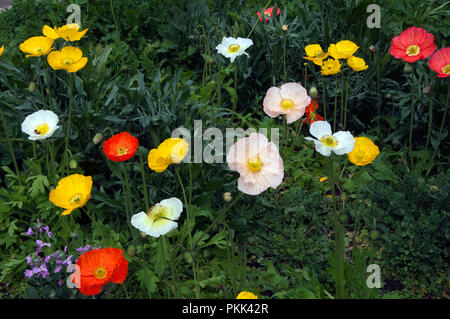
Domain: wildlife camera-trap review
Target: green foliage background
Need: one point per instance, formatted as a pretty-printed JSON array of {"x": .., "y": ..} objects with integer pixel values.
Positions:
[{"x": 156, "y": 68}]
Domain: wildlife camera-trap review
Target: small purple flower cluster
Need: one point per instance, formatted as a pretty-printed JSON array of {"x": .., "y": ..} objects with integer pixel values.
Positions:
[
  {"x": 38, "y": 228},
  {"x": 58, "y": 261}
]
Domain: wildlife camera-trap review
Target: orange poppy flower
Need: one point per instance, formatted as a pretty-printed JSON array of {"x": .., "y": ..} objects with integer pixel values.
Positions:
[
  {"x": 99, "y": 267},
  {"x": 120, "y": 147},
  {"x": 412, "y": 45},
  {"x": 268, "y": 13},
  {"x": 440, "y": 62},
  {"x": 311, "y": 115}
]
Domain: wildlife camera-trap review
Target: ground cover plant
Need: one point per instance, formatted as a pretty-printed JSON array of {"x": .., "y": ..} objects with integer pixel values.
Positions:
[{"x": 224, "y": 149}]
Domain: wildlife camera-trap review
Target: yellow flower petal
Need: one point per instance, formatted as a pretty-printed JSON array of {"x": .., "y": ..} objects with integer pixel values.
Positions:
[
  {"x": 78, "y": 65},
  {"x": 2, "y": 49},
  {"x": 50, "y": 32}
]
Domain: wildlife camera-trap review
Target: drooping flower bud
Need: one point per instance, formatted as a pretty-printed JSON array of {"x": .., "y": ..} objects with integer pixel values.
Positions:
[
  {"x": 97, "y": 138},
  {"x": 31, "y": 86},
  {"x": 131, "y": 250},
  {"x": 73, "y": 164},
  {"x": 373, "y": 49},
  {"x": 426, "y": 89},
  {"x": 313, "y": 93},
  {"x": 284, "y": 27}
]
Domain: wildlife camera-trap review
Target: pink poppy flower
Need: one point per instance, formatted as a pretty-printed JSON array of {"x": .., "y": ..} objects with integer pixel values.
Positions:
[
  {"x": 412, "y": 45},
  {"x": 258, "y": 162},
  {"x": 291, "y": 100},
  {"x": 268, "y": 13}
]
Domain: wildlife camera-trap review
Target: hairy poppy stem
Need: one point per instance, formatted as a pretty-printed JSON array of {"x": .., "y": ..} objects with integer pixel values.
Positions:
[
  {"x": 69, "y": 121},
  {"x": 144, "y": 184},
  {"x": 324, "y": 100},
  {"x": 411, "y": 123}
]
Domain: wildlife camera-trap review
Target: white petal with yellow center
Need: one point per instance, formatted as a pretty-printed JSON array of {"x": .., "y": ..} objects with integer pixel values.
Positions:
[
  {"x": 233, "y": 47},
  {"x": 40, "y": 125},
  {"x": 160, "y": 219}
]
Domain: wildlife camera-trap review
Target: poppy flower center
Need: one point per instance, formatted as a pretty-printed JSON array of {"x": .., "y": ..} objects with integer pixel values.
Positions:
[
  {"x": 234, "y": 48},
  {"x": 319, "y": 54},
  {"x": 287, "y": 104},
  {"x": 100, "y": 272},
  {"x": 446, "y": 69},
  {"x": 67, "y": 61},
  {"x": 38, "y": 49},
  {"x": 157, "y": 212},
  {"x": 312, "y": 115},
  {"x": 122, "y": 151},
  {"x": 329, "y": 141},
  {"x": 76, "y": 199},
  {"x": 254, "y": 164},
  {"x": 267, "y": 13},
  {"x": 41, "y": 129},
  {"x": 413, "y": 50}
]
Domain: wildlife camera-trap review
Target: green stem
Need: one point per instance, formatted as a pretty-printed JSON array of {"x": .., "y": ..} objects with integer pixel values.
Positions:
[
  {"x": 144, "y": 184},
  {"x": 346, "y": 99},
  {"x": 69, "y": 121},
  {"x": 338, "y": 230},
  {"x": 47, "y": 83},
  {"x": 335, "y": 104},
  {"x": 440, "y": 131},
  {"x": 188, "y": 217},
  {"x": 256, "y": 22},
  {"x": 342, "y": 100},
  {"x": 127, "y": 192},
  {"x": 411, "y": 123},
  {"x": 324, "y": 101},
  {"x": 430, "y": 121},
  {"x": 378, "y": 95},
  {"x": 11, "y": 150},
  {"x": 235, "y": 87},
  {"x": 117, "y": 29},
  {"x": 284, "y": 59}
]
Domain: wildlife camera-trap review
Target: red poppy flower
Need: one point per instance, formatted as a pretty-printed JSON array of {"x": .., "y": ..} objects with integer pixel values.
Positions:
[
  {"x": 120, "y": 147},
  {"x": 99, "y": 267},
  {"x": 440, "y": 62},
  {"x": 268, "y": 13},
  {"x": 412, "y": 45},
  {"x": 311, "y": 115}
]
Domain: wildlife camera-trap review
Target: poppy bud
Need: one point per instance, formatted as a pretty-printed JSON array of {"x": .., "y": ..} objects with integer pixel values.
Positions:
[
  {"x": 426, "y": 89},
  {"x": 284, "y": 27},
  {"x": 143, "y": 235},
  {"x": 73, "y": 164},
  {"x": 408, "y": 68},
  {"x": 227, "y": 197},
  {"x": 131, "y": 250},
  {"x": 388, "y": 96},
  {"x": 97, "y": 138},
  {"x": 313, "y": 93},
  {"x": 372, "y": 48},
  {"x": 31, "y": 86}
]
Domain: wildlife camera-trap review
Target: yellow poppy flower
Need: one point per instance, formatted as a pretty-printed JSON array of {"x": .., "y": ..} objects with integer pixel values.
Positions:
[
  {"x": 68, "y": 32},
  {"x": 246, "y": 295},
  {"x": 343, "y": 49},
  {"x": 69, "y": 58},
  {"x": 357, "y": 64},
  {"x": 331, "y": 66},
  {"x": 315, "y": 54},
  {"x": 171, "y": 151},
  {"x": 36, "y": 46},
  {"x": 2, "y": 49},
  {"x": 364, "y": 152},
  {"x": 72, "y": 192}
]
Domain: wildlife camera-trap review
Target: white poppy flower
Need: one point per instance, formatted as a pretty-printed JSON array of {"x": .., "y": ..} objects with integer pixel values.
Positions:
[
  {"x": 40, "y": 124},
  {"x": 340, "y": 142},
  {"x": 231, "y": 47},
  {"x": 160, "y": 219}
]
